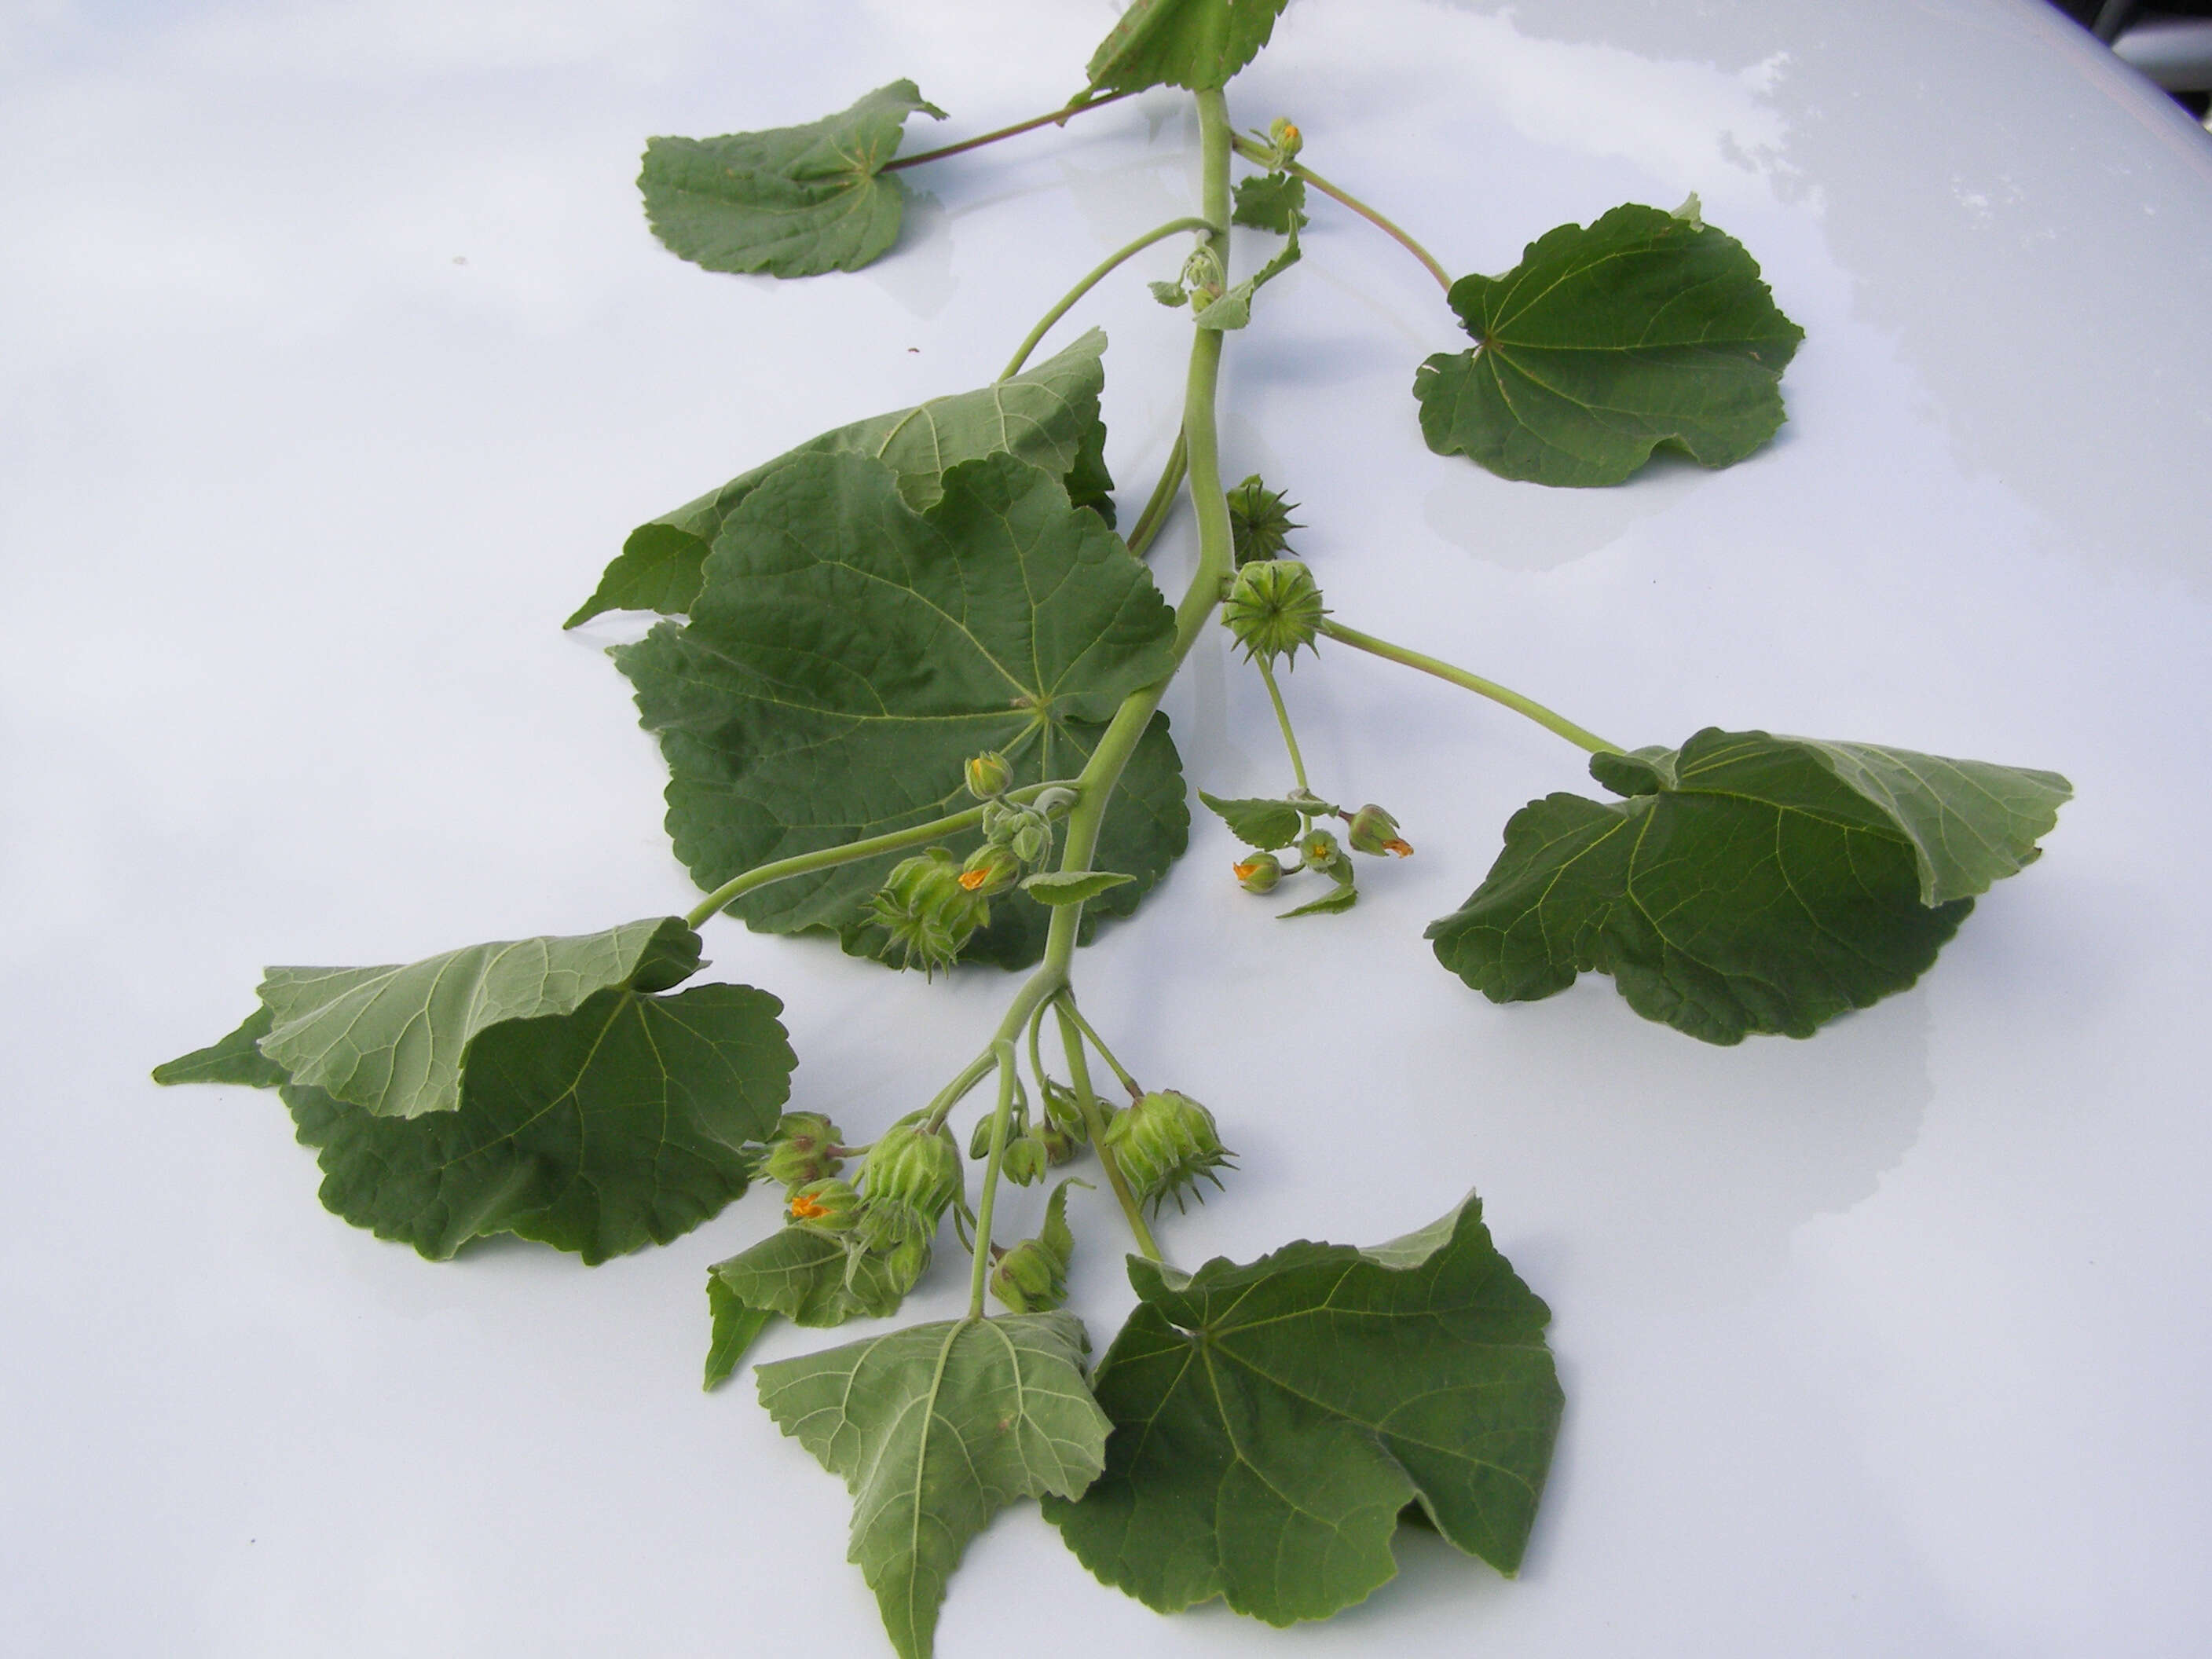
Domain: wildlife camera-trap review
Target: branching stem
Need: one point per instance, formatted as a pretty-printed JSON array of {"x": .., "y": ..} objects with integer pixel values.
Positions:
[
  {"x": 1065, "y": 1004},
  {"x": 1460, "y": 677},
  {"x": 1164, "y": 496},
  {"x": 1261, "y": 155},
  {"x": 1094, "y": 1120},
  {"x": 1058, "y": 118},
  {"x": 1096, "y": 275},
  {"x": 1002, "y": 1054}
]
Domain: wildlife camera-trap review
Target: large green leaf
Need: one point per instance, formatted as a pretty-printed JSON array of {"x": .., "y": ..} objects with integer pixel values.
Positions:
[
  {"x": 1047, "y": 414},
  {"x": 1198, "y": 44},
  {"x": 1748, "y": 883},
  {"x": 792, "y": 202},
  {"x": 1648, "y": 329},
  {"x": 935, "y": 1428},
  {"x": 1272, "y": 1421},
  {"x": 393, "y": 1040},
  {"x": 621, "y": 1124},
  {"x": 848, "y": 654},
  {"x": 809, "y": 1278}
]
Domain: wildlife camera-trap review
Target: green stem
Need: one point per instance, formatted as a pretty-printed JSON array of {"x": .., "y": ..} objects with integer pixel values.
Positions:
[
  {"x": 954, "y": 1092},
  {"x": 1443, "y": 671},
  {"x": 828, "y": 857},
  {"x": 1098, "y": 274},
  {"x": 1002, "y": 1052},
  {"x": 1065, "y": 1004},
  {"x": 1164, "y": 494},
  {"x": 1094, "y": 1120},
  {"x": 1058, "y": 118},
  {"x": 1263, "y": 155},
  {"x": 1283, "y": 720},
  {"x": 1119, "y": 741}
]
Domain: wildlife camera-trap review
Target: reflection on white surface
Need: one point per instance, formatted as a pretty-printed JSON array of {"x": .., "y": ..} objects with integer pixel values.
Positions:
[{"x": 1879, "y": 1343}]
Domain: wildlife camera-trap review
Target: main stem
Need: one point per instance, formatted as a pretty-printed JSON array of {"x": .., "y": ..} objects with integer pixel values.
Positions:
[
  {"x": 1550, "y": 721},
  {"x": 1058, "y": 118},
  {"x": 1119, "y": 741}
]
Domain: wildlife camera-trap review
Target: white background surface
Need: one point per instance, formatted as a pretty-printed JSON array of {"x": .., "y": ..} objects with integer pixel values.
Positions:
[{"x": 337, "y": 362}]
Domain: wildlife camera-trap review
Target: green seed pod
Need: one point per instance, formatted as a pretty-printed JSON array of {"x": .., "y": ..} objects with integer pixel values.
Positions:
[
  {"x": 990, "y": 774},
  {"x": 1319, "y": 851},
  {"x": 1374, "y": 831},
  {"x": 1258, "y": 873},
  {"x": 1165, "y": 1143},
  {"x": 801, "y": 1150},
  {"x": 1259, "y": 522},
  {"x": 1025, "y": 1160},
  {"x": 915, "y": 1170},
  {"x": 1029, "y": 1279},
  {"x": 1274, "y": 607},
  {"x": 990, "y": 871},
  {"x": 828, "y": 1206},
  {"x": 926, "y": 913}
]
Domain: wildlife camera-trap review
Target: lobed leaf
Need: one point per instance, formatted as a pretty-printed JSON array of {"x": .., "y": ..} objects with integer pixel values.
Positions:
[
  {"x": 791, "y": 201},
  {"x": 1645, "y": 330},
  {"x": 1196, "y": 43},
  {"x": 935, "y": 1428},
  {"x": 1270, "y": 201},
  {"x": 1272, "y": 1421},
  {"x": 1047, "y": 414},
  {"x": 848, "y": 654},
  {"x": 1747, "y": 882}
]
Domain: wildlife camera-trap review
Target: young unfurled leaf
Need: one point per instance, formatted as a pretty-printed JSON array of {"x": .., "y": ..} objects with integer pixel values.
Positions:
[
  {"x": 1047, "y": 414},
  {"x": 1340, "y": 897},
  {"x": 1645, "y": 330},
  {"x": 1055, "y": 887},
  {"x": 1196, "y": 43},
  {"x": 1748, "y": 883},
  {"x": 1270, "y": 201},
  {"x": 1272, "y": 1420},
  {"x": 791, "y": 201},
  {"x": 1266, "y": 824},
  {"x": 810, "y": 1277},
  {"x": 935, "y": 1428},
  {"x": 848, "y": 654},
  {"x": 545, "y": 1088},
  {"x": 1234, "y": 308}
]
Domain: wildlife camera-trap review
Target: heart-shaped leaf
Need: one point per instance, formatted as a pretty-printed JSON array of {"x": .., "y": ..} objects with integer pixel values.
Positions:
[
  {"x": 1647, "y": 329},
  {"x": 791, "y": 201},
  {"x": 1748, "y": 883}
]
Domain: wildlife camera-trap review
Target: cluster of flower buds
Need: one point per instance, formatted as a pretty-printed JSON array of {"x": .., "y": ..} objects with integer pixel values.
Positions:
[
  {"x": 1200, "y": 285},
  {"x": 1274, "y": 607},
  {"x": 1164, "y": 1144},
  {"x": 908, "y": 1183},
  {"x": 1260, "y": 522},
  {"x": 803, "y": 1147},
  {"x": 1034, "y": 1145}
]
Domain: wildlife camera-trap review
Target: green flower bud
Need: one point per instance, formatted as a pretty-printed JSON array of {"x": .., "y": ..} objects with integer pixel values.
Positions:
[
  {"x": 911, "y": 1170},
  {"x": 1259, "y": 522},
  {"x": 990, "y": 871},
  {"x": 1059, "y": 1144},
  {"x": 926, "y": 911},
  {"x": 1274, "y": 607},
  {"x": 1286, "y": 138},
  {"x": 828, "y": 1206},
  {"x": 801, "y": 1150},
  {"x": 990, "y": 774},
  {"x": 1029, "y": 1279},
  {"x": 1374, "y": 831},
  {"x": 1064, "y": 1112},
  {"x": 1025, "y": 1160},
  {"x": 1032, "y": 843},
  {"x": 999, "y": 817},
  {"x": 1164, "y": 1144},
  {"x": 1259, "y": 872},
  {"x": 1319, "y": 851},
  {"x": 907, "y": 1260}
]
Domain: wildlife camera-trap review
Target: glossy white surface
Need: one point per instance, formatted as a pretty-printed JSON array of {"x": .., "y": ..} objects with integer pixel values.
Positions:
[{"x": 338, "y": 361}]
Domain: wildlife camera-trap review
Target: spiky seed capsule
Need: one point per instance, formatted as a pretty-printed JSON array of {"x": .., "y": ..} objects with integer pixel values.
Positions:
[
  {"x": 1029, "y": 1279},
  {"x": 1259, "y": 522},
  {"x": 827, "y": 1207},
  {"x": 1374, "y": 831},
  {"x": 990, "y": 871},
  {"x": 926, "y": 913},
  {"x": 1258, "y": 874},
  {"x": 1165, "y": 1143},
  {"x": 801, "y": 1149},
  {"x": 989, "y": 774},
  {"x": 1274, "y": 607}
]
